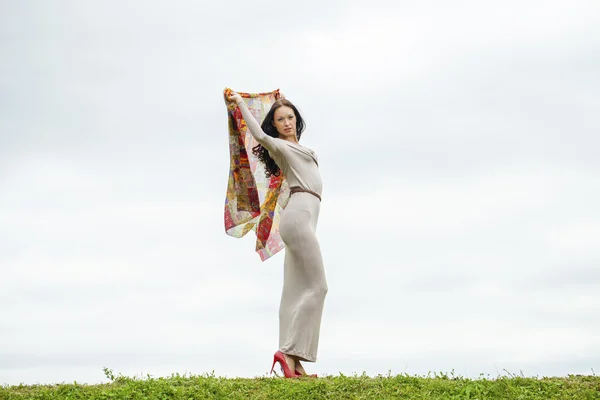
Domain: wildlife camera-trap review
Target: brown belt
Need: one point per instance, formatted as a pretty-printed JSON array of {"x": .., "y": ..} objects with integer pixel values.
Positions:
[{"x": 296, "y": 189}]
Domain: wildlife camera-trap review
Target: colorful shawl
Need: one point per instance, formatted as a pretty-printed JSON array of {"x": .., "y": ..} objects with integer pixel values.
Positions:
[{"x": 253, "y": 202}]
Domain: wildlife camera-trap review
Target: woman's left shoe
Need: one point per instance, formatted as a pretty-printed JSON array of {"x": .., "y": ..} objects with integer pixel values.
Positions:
[{"x": 287, "y": 372}]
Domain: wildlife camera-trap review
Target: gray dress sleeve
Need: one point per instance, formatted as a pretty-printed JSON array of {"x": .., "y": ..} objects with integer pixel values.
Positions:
[{"x": 261, "y": 137}]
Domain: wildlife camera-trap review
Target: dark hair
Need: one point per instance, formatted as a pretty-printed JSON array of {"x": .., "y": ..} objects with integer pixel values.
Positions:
[{"x": 267, "y": 126}]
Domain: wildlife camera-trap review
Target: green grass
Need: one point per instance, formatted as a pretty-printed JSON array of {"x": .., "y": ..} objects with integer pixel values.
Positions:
[{"x": 436, "y": 386}]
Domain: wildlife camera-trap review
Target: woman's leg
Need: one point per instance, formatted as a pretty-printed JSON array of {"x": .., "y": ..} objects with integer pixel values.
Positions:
[{"x": 304, "y": 286}]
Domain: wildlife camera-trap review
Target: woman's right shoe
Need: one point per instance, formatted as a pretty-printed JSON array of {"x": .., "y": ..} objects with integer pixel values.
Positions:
[
  {"x": 280, "y": 358},
  {"x": 310, "y": 376}
]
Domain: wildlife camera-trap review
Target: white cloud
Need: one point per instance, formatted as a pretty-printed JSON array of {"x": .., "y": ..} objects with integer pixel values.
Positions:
[
  {"x": 459, "y": 224},
  {"x": 384, "y": 47}
]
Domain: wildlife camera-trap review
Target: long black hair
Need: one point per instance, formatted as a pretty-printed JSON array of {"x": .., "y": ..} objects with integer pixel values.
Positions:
[{"x": 267, "y": 126}]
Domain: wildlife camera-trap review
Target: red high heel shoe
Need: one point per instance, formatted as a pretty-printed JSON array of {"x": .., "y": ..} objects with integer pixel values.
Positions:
[{"x": 280, "y": 358}]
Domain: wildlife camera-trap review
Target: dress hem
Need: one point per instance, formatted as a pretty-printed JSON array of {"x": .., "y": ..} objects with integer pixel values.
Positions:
[{"x": 301, "y": 355}]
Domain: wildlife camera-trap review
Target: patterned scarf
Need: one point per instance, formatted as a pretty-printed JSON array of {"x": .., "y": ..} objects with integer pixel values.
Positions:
[{"x": 253, "y": 202}]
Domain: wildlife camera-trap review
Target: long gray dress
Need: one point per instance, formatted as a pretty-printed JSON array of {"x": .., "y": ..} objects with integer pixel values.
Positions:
[{"x": 304, "y": 283}]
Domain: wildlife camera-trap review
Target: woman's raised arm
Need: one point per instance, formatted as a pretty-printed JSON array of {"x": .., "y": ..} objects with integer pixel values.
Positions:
[{"x": 255, "y": 129}]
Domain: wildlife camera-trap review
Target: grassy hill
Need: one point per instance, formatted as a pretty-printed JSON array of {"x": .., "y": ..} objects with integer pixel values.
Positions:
[{"x": 433, "y": 386}]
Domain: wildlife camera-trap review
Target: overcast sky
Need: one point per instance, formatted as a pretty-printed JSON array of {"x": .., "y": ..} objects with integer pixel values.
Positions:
[{"x": 458, "y": 145}]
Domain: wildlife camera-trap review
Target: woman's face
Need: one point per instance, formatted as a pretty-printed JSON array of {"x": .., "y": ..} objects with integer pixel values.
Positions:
[{"x": 284, "y": 120}]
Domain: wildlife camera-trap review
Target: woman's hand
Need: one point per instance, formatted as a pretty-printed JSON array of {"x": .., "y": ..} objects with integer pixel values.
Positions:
[{"x": 235, "y": 97}]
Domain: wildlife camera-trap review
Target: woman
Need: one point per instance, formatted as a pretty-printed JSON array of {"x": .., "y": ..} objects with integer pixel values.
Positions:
[{"x": 304, "y": 283}]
